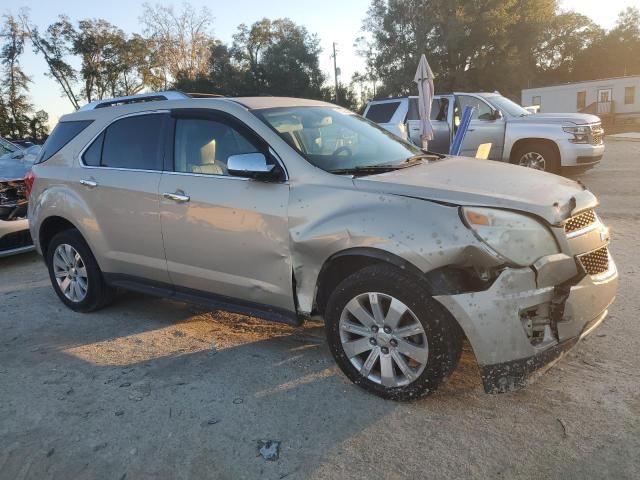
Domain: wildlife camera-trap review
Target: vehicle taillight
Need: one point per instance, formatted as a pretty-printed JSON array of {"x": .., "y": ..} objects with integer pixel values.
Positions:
[{"x": 29, "y": 178}]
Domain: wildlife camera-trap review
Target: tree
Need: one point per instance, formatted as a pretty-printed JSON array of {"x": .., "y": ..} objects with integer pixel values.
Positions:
[
  {"x": 481, "y": 44},
  {"x": 38, "y": 126},
  {"x": 112, "y": 64},
  {"x": 614, "y": 53},
  {"x": 290, "y": 63},
  {"x": 564, "y": 40},
  {"x": 55, "y": 46},
  {"x": 16, "y": 102},
  {"x": 278, "y": 58},
  {"x": 180, "y": 42}
]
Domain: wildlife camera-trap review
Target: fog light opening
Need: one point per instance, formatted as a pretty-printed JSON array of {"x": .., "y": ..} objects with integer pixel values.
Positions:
[{"x": 537, "y": 324}]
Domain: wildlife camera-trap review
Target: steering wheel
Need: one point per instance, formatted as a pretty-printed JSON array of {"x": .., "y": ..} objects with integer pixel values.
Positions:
[{"x": 339, "y": 150}]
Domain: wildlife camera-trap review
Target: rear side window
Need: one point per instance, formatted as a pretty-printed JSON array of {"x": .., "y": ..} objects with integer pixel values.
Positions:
[
  {"x": 382, "y": 112},
  {"x": 438, "y": 109},
  {"x": 61, "y": 135},
  {"x": 93, "y": 154},
  {"x": 133, "y": 143}
]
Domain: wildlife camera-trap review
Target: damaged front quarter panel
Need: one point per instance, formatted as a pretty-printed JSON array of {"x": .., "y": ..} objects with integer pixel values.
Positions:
[{"x": 326, "y": 220}]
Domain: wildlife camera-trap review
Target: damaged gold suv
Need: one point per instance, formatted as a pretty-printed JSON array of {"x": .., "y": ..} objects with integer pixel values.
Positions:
[{"x": 288, "y": 209}]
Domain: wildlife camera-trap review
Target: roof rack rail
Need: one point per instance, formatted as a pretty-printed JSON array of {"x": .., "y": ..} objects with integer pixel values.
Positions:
[
  {"x": 143, "y": 97},
  {"x": 203, "y": 95}
]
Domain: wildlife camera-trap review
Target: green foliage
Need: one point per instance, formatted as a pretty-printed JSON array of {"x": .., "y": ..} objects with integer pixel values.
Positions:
[
  {"x": 271, "y": 57},
  {"x": 503, "y": 45},
  {"x": 15, "y": 103}
]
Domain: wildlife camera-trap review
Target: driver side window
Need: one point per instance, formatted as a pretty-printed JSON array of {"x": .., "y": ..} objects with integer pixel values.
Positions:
[
  {"x": 205, "y": 145},
  {"x": 481, "y": 111}
]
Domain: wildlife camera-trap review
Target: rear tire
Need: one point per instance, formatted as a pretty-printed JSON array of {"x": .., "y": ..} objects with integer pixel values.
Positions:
[
  {"x": 75, "y": 274},
  {"x": 537, "y": 155},
  {"x": 425, "y": 338}
]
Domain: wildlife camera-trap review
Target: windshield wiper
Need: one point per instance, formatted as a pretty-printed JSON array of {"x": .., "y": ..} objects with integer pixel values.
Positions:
[
  {"x": 367, "y": 169},
  {"x": 364, "y": 169}
]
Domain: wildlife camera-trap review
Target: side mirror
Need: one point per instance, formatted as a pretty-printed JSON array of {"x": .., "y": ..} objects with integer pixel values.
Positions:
[{"x": 251, "y": 165}]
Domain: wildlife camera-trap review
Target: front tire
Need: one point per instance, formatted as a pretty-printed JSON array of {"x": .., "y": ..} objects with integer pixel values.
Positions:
[
  {"x": 539, "y": 156},
  {"x": 75, "y": 274},
  {"x": 389, "y": 336}
]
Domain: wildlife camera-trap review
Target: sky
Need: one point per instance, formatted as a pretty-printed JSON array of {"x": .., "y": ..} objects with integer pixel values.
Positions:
[{"x": 337, "y": 21}]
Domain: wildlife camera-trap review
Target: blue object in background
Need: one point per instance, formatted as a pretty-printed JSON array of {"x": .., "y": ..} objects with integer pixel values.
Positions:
[{"x": 456, "y": 145}]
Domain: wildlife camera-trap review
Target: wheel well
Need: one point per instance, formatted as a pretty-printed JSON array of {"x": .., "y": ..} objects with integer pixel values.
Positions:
[
  {"x": 51, "y": 227},
  {"x": 529, "y": 141},
  {"x": 341, "y": 265}
]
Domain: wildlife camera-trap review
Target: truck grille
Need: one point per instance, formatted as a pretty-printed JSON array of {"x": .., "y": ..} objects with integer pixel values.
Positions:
[
  {"x": 597, "y": 134},
  {"x": 581, "y": 220},
  {"x": 595, "y": 262}
]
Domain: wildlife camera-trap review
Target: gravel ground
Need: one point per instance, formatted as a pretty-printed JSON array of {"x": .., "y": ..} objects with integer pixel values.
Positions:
[{"x": 150, "y": 388}]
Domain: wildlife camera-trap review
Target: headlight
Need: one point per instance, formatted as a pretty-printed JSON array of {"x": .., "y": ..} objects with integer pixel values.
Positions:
[
  {"x": 517, "y": 238},
  {"x": 580, "y": 134}
]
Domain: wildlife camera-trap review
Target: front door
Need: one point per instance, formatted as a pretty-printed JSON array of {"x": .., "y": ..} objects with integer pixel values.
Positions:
[
  {"x": 484, "y": 128},
  {"x": 119, "y": 182},
  {"x": 224, "y": 235}
]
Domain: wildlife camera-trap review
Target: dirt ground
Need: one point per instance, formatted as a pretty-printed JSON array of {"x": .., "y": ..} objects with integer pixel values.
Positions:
[{"x": 150, "y": 388}]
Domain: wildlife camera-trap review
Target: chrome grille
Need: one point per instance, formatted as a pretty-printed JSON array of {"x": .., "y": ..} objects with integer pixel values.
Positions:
[
  {"x": 597, "y": 134},
  {"x": 595, "y": 262},
  {"x": 581, "y": 220}
]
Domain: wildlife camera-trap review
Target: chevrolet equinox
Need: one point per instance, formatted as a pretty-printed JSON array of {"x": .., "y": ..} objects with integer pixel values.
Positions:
[{"x": 288, "y": 209}]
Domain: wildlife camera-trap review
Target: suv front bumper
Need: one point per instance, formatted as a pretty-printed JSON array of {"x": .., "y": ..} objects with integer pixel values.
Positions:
[
  {"x": 580, "y": 155},
  {"x": 493, "y": 321}
]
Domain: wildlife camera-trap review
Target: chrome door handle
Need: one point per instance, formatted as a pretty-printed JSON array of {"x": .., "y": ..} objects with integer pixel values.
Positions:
[
  {"x": 177, "y": 197},
  {"x": 89, "y": 183}
]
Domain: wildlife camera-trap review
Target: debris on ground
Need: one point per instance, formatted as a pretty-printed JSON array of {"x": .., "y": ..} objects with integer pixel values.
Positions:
[{"x": 269, "y": 449}]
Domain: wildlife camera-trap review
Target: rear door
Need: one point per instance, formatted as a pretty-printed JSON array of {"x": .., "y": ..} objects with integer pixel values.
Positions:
[
  {"x": 224, "y": 235},
  {"x": 484, "y": 128},
  {"x": 119, "y": 181},
  {"x": 439, "y": 121}
]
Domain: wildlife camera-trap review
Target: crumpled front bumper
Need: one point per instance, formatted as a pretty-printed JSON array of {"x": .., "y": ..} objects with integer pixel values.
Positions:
[{"x": 491, "y": 319}]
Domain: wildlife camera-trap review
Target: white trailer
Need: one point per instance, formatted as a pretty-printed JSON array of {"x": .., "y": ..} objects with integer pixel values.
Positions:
[{"x": 615, "y": 100}]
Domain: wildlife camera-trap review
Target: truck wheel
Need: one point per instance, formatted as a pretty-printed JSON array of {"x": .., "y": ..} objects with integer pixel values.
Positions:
[
  {"x": 539, "y": 156},
  {"x": 74, "y": 273},
  {"x": 389, "y": 336}
]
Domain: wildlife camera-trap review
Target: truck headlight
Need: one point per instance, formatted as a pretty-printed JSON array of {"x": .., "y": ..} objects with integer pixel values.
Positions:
[
  {"x": 516, "y": 238},
  {"x": 580, "y": 134}
]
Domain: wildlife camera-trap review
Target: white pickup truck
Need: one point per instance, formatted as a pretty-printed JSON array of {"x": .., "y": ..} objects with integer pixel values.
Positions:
[{"x": 543, "y": 141}]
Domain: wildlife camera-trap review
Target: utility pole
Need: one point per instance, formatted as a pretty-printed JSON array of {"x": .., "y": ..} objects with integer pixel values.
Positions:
[{"x": 335, "y": 69}]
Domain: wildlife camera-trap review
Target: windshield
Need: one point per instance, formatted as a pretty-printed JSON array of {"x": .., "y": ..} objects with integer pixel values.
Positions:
[
  {"x": 7, "y": 147},
  {"x": 333, "y": 138},
  {"x": 507, "y": 106}
]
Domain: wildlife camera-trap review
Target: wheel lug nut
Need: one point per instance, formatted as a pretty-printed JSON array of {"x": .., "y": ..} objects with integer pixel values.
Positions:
[
  {"x": 393, "y": 342},
  {"x": 387, "y": 330},
  {"x": 384, "y": 350},
  {"x": 374, "y": 329},
  {"x": 372, "y": 341}
]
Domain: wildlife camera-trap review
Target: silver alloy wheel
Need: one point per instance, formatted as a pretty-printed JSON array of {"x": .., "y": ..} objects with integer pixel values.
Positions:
[
  {"x": 383, "y": 339},
  {"x": 533, "y": 160},
  {"x": 70, "y": 272}
]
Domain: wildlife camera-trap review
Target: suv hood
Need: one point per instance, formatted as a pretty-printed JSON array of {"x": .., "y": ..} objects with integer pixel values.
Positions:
[
  {"x": 576, "y": 118},
  {"x": 468, "y": 181}
]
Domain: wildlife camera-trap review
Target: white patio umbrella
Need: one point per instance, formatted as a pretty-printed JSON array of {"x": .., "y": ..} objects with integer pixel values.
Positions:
[{"x": 424, "y": 79}]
